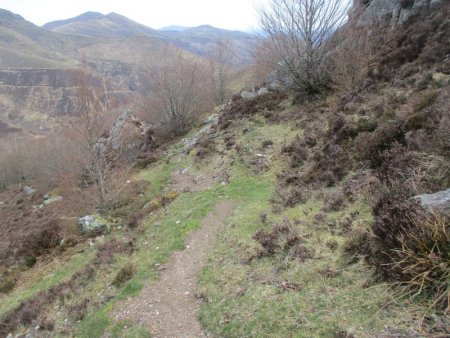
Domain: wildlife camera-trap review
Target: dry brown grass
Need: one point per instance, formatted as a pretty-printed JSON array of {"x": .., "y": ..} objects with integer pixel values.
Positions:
[{"x": 424, "y": 260}]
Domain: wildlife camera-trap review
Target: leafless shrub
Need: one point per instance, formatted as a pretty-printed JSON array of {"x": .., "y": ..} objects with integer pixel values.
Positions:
[
  {"x": 45, "y": 160},
  {"x": 178, "y": 92},
  {"x": 221, "y": 61}
]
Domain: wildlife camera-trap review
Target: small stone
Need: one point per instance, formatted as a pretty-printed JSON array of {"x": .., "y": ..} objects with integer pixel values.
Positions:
[
  {"x": 187, "y": 293},
  {"x": 29, "y": 190},
  {"x": 178, "y": 222}
]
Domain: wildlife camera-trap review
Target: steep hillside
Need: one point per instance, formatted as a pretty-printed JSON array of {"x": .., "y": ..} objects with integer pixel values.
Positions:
[
  {"x": 279, "y": 215},
  {"x": 24, "y": 44}
]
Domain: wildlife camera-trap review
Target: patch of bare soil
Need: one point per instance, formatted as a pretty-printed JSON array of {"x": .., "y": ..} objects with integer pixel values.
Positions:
[
  {"x": 183, "y": 181},
  {"x": 169, "y": 307}
]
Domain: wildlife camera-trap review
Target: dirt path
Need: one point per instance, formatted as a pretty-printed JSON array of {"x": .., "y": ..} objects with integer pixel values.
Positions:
[
  {"x": 168, "y": 307},
  {"x": 184, "y": 181}
]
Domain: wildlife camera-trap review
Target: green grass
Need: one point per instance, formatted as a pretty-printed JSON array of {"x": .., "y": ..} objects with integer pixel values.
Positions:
[
  {"x": 164, "y": 236},
  {"x": 241, "y": 304},
  {"x": 45, "y": 281},
  {"x": 243, "y": 299}
]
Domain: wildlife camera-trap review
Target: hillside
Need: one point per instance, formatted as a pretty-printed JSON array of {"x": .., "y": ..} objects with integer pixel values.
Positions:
[
  {"x": 198, "y": 40},
  {"x": 24, "y": 44},
  {"x": 279, "y": 214},
  {"x": 110, "y": 26},
  {"x": 37, "y": 63}
]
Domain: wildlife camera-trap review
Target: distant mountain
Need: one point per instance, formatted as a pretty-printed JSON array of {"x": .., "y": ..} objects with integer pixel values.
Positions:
[
  {"x": 201, "y": 40},
  {"x": 110, "y": 26},
  {"x": 23, "y": 44},
  {"x": 198, "y": 40}
]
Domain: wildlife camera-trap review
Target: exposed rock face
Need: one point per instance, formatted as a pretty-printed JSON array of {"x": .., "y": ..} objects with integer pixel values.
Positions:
[
  {"x": 26, "y": 93},
  {"x": 48, "y": 91},
  {"x": 398, "y": 10}
]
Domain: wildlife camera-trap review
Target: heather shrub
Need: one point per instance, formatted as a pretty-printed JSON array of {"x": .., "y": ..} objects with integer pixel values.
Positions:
[
  {"x": 284, "y": 240},
  {"x": 370, "y": 146},
  {"x": 124, "y": 275},
  {"x": 409, "y": 247}
]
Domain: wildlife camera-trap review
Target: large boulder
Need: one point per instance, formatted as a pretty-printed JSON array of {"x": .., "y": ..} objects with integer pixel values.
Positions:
[{"x": 93, "y": 223}]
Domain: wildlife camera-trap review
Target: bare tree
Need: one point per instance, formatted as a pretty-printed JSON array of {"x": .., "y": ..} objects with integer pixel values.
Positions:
[
  {"x": 297, "y": 32},
  {"x": 91, "y": 125},
  {"x": 178, "y": 91},
  {"x": 221, "y": 61}
]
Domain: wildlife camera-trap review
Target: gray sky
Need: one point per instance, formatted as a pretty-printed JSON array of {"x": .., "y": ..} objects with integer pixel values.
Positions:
[{"x": 228, "y": 14}]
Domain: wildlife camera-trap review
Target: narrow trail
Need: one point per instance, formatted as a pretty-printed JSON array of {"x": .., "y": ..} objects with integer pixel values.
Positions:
[{"x": 168, "y": 308}]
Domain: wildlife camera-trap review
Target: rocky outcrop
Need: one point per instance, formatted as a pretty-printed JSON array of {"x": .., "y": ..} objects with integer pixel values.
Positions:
[
  {"x": 397, "y": 10},
  {"x": 121, "y": 134}
]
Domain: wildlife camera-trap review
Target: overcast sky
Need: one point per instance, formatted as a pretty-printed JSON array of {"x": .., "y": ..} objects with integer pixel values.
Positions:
[{"x": 228, "y": 14}]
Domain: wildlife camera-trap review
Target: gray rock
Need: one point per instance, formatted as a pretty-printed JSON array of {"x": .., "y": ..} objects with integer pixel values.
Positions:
[
  {"x": 29, "y": 190},
  {"x": 263, "y": 91},
  {"x": 378, "y": 9},
  {"x": 91, "y": 223},
  {"x": 436, "y": 201},
  {"x": 51, "y": 199},
  {"x": 248, "y": 95},
  {"x": 435, "y": 2},
  {"x": 211, "y": 119},
  {"x": 275, "y": 85}
]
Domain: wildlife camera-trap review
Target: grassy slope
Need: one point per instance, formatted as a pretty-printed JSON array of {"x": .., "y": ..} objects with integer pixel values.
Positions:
[
  {"x": 240, "y": 302},
  {"x": 243, "y": 300},
  {"x": 50, "y": 276}
]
